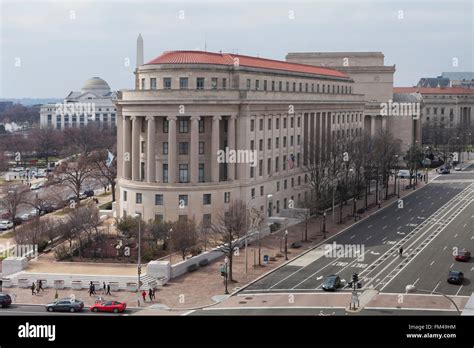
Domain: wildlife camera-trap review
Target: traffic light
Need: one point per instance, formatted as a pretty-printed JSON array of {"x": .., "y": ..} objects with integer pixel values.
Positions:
[
  {"x": 355, "y": 278},
  {"x": 139, "y": 269}
]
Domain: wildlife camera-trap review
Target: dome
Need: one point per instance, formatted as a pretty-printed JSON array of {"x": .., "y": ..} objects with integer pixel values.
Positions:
[{"x": 96, "y": 85}]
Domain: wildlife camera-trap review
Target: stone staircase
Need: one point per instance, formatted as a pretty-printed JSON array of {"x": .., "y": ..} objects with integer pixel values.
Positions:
[{"x": 148, "y": 282}]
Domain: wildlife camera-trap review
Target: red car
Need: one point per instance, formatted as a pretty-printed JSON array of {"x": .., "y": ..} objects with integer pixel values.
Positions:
[
  {"x": 109, "y": 306},
  {"x": 463, "y": 256}
]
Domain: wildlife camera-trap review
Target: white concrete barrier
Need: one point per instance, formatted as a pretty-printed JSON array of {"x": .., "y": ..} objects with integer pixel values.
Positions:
[{"x": 76, "y": 284}]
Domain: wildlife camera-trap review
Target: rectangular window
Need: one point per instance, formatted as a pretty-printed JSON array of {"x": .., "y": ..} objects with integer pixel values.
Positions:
[
  {"x": 277, "y": 125},
  {"x": 138, "y": 198},
  {"x": 301, "y": 87},
  {"x": 306, "y": 88},
  {"x": 273, "y": 85},
  {"x": 269, "y": 143},
  {"x": 294, "y": 86},
  {"x": 317, "y": 88},
  {"x": 277, "y": 142},
  {"x": 165, "y": 172},
  {"x": 143, "y": 83},
  {"x": 277, "y": 164},
  {"x": 260, "y": 145},
  {"x": 142, "y": 147},
  {"x": 292, "y": 122},
  {"x": 200, "y": 83},
  {"x": 278, "y": 186},
  {"x": 226, "y": 197},
  {"x": 287, "y": 86},
  {"x": 201, "y": 147},
  {"x": 153, "y": 83},
  {"x": 124, "y": 196},
  {"x": 158, "y": 199},
  {"x": 206, "y": 199},
  {"x": 183, "y": 173},
  {"x": 252, "y": 194},
  {"x": 167, "y": 83},
  {"x": 165, "y": 148},
  {"x": 252, "y": 172},
  {"x": 284, "y": 163},
  {"x": 183, "y": 200},
  {"x": 183, "y": 125},
  {"x": 292, "y": 182},
  {"x": 260, "y": 167},
  {"x": 252, "y": 125},
  {"x": 284, "y": 141},
  {"x": 165, "y": 125},
  {"x": 298, "y": 139},
  {"x": 260, "y": 127},
  {"x": 261, "y": 191},
  {"x": 257, "y": 85},
  {"x": 269, "y": 124},
  {"x": 183, "y": 148},
  {"x": 284, "y": 123},
  {"x": 285, "y": 184},
  {"x": 280, "y": 86},
  {"x": 299, "y": 122},
  {"x": 201, "y": 172},
  {"x": 206, "y": 220},
  {"x": 252, "y": 145},
  {"x": 264, "y": 85},
  {"x": 312, "y": 88},
  {"x": 183, "y": 83},
  {"x": 224, "y": 83},
  {"x": 159, "y": 218},
  {"x": 291, "y": 140},
  {"x": 269, "y": 166},
  {"x": 214, "y": 83},
  {"x": 248, "y": 84}
]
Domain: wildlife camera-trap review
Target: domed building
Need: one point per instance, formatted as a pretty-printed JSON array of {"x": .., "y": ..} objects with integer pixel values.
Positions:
[{"x": 93, "y": 104}]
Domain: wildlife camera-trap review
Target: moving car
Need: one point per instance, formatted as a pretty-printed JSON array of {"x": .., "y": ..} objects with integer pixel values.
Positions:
[
  {"x": 5, "y": 300},
  {"x": 65, "y": 305},
  {"x": 405, "y": 174},
  {"x": 444, "y": 171},
  {"x": 457, "y": 168},
  {"x": 455, "y": 277},
  {"x": 331, "y": 283},
  {"x": 463, "y": 256},
  {"x": 109, "y": 306},
  {"x": 5, "y": 225}
]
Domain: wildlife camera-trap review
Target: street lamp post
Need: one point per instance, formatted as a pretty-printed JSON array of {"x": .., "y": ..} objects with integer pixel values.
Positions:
[
  {"x": 169, "y": 243},
  {"x": 139, "y": 267},
  {"x": 286, "y": 244},
  {"x": 226, "y": 274},
  {"x": 246, "y": 233},
  {"x": 324, "y": 225},
  {"x": 411, "y": 289}
]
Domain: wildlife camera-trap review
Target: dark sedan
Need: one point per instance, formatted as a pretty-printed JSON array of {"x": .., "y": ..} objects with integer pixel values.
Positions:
[
  {"x": 5, "y": 300},
  {"x": 65, "y": 305},
  {"x": 455, "y": 277},
  {"x": 331, "y": 283}
]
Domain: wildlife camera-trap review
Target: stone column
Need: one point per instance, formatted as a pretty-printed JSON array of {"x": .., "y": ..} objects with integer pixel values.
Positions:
[
  {"x": 215, "y": 143},
  {"x": 172, "y": 149},
  {"x": 127, "y": 147},
  {"x": 150, "y": 155},
  {"x": 231, "y": 143},
  {"x": 194, "y": 153},
  {"x": 372, "y": 125},
  {"x": 136, "y": 128}
]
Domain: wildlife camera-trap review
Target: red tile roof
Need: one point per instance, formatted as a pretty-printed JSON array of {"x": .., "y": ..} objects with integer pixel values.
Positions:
[
  {"x": 429, "y": 90},
  {"x": 201, "y": 57}
]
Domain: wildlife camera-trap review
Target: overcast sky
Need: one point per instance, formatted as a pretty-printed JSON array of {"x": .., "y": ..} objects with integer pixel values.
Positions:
[{"x": 49, "y": 48}]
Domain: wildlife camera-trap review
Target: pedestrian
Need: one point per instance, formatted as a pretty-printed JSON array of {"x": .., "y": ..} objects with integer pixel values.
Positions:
[
  {"x": 108, "y": 290},
  {"x": 150, "y": 294},
  {"x": 144, "y": 295},
  {"x": 153, "y": 293},
  {"x": 103, "y": 288},
  {"x": 56, "y": 295},
  {"x": 33, "y": 288},
  {"x": 40, "y": 285},
  {"x": 93, "y": 289},
  {"x": 401, "y": 251}
]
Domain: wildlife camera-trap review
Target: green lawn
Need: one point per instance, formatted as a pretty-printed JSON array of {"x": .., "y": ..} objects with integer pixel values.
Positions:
[{"x": 7, "y": 235}]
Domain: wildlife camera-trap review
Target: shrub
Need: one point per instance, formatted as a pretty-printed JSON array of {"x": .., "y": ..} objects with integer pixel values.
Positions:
[{"x": 62, "y": 253}]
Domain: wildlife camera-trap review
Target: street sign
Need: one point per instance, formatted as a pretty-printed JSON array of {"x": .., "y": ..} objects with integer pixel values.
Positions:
[{"x": 265, "y": 259}]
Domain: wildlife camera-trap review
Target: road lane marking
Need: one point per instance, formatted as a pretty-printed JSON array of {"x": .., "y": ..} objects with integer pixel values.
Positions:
[
  {"x": 455, "y": 235},
  {"x": 353, "y": 236},
  {"x": 368, "y": 237},
  {"x": 384, "y": 238},
  {"x": 416, "y": 281},
  {"x": 383, "y": 228},
  {"x": 451, "y": 266},
  {"x": 445, "y": 247},
  {"x": 436, "y": 287},
  {"x": 369, "y": 226},
  {"x": 398, "y": 217},
  {"x": 459, "y": 290},
  {"x": 431, "y": 264}
]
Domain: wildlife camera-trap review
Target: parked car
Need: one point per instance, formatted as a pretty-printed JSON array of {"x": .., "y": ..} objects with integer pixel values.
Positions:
[
  {"x": 25, "y": 217},
  {"x": 89, "y": 193},
  {"x": 17, "y": 221},
  {"x": 444, "y": 171},
  {"x": 457, "y": 168},
  {"x": 331, "y": 283},
  {"x": 463, "y": 256},
  {"x": 5, "y": 225},
  {"x": 48, "y": 209},
  {"x": 404, "y": 174},
  {"x": 455, "y": 277},
  {"x": 5, "y": 300},
  {"x": 109, "y": 306},
  {"x": 65, "y": 305}
]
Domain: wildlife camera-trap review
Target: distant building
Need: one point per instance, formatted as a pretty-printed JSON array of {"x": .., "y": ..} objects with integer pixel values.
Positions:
[
  {"x": 93, "y": 104},
  {"x": 448, "y": 112},
  {"x": 448, "y": 79}
]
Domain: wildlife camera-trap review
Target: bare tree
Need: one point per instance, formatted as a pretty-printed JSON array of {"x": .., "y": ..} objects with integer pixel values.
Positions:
[
  {"x": 184, "y": 236},
  {"x": 105, "y": 172},
  {"x": 31, "y": 232},
  {"x": 230, "y": 225},
  {"x": 74, "y": 173},
  {"x": 46, "y": 142},
  {"x": 11, "y": 201}
]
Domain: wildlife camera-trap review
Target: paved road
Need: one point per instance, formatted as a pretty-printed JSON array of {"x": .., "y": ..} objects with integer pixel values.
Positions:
[
  {"x": 428, "y": 221},
  {"x": 18, "y": 309}
]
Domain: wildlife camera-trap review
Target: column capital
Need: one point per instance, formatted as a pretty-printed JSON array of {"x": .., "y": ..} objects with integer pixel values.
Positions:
[
  {"x": 172, "y": 118},
  {"x": 216, "y": 118},
  {"x": 195, "y": 118},
  {"x": 150, "y": 118},
  {"x": 233, "y": 117},
  {"x": 133, "y": 118}
]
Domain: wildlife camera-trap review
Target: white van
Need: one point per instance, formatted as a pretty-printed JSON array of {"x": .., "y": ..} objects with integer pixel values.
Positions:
[
  {"x": 5, "y": 225},
  {"x": 404, "y": 174}
]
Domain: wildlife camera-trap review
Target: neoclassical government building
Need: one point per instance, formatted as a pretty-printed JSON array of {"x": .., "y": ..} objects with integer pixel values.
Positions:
[{"x": 188, "y": 105}]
